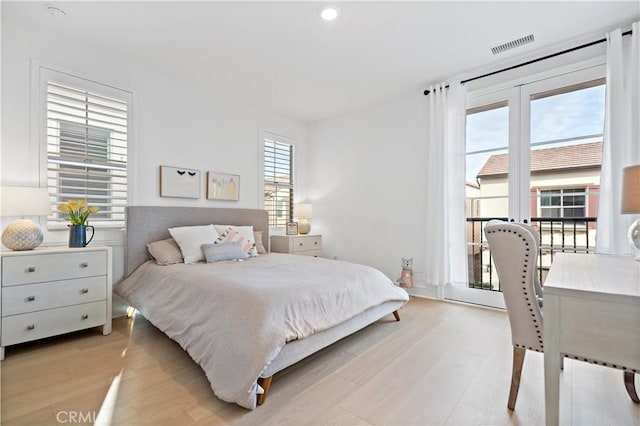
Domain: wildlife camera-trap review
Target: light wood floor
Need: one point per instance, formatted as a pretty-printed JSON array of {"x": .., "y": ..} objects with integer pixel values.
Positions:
[{"x": 443, "y": 363}]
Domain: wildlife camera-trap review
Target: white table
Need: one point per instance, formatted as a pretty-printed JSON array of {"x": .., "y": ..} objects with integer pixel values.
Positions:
[{"x": 592, "y": 312}]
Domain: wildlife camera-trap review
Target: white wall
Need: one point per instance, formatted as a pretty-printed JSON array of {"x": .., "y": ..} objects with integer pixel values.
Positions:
[
  {"x": 368, "y": 173},
  {"x": 176, "y": 122},
  {"x": 368, "y": 181}
]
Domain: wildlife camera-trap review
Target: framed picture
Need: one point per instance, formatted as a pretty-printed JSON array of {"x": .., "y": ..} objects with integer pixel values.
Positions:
[
  {"x": 223, "y": 186},
  {"x": 292, "y": 228},
  {"x": 179, "y": 182}
]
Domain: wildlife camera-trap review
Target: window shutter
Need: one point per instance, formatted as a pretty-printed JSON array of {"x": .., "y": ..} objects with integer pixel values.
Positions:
[
  {"x": 278, "y": 182},
  {"x": 86, "y": 139}
]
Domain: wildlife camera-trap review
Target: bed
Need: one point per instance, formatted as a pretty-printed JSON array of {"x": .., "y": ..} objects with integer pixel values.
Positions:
[{"x": 242, "y": 322}]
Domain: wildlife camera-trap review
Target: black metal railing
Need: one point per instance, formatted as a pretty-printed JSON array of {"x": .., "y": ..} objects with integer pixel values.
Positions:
[{"x": 557, "y": 235}]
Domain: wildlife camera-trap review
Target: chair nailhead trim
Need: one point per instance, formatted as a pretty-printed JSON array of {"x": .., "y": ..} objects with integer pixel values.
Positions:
[
  {"x": 524, "y": 285},
  {"x": 591, "y": 361}
]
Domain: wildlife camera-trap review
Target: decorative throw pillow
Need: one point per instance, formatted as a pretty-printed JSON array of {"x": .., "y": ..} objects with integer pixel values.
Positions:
[
  {"x": 224, "y": 251},
  {"x": 165, "y": 252},
  {"x": 244, "y": 235},
  {"x": 191, "y": 238},
  {"x": 257, "y": 237},
  {"x": 230, "y": 235}
]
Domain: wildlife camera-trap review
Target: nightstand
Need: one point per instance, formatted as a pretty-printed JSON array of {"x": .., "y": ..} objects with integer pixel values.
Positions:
[
  {"x": 305, "y": 245},
  {"x": 51, "y": 291}
]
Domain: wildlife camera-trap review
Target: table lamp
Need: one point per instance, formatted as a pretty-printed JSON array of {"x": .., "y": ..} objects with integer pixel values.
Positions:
[
  {"x": 23, "y": 234},
  {"x": 631, "y": 202},
  {"x": 303, "y": 211}
]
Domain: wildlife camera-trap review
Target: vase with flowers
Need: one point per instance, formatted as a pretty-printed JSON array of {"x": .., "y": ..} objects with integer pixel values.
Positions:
[{"x": 79, "y": 212}]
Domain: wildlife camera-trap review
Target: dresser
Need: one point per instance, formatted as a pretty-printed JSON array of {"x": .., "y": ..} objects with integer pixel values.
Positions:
[
  {"x": 51, "y": 291},
  {"x": 305, "y": 245}
]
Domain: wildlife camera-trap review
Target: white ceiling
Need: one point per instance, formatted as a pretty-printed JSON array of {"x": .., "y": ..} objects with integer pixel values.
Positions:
[{"x": 283, "y": 57}]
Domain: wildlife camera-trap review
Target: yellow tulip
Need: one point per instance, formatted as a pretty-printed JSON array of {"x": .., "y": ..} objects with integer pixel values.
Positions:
[{"x": 78, "y": 210}]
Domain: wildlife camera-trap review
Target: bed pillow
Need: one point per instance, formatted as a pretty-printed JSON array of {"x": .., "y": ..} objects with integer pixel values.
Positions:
[
  {"x": 224, "y": 251},
  {"x": 190, "y": 240},
  {"x": 231, "y": 235},
  {"x": 244, "y": 234},
  {"x": 257, "y": 237},
  {"x": 165, "y": 252}
]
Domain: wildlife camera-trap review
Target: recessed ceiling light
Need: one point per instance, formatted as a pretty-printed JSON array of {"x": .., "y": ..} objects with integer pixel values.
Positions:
[
  {"x": 54, "y": 10},
  {"x": 329, "y": 13}
]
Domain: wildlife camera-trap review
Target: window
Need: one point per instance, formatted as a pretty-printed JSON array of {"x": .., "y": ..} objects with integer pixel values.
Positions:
[
  {"x": 86, "y": 146},
  {"x": 564, "y": 202},
  {"x": 278, "y": 180},
  {"x": 533, "y": 153}
]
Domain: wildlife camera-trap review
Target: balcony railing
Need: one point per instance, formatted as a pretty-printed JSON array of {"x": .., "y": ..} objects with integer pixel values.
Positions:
[{"x": 557, "y": 235}]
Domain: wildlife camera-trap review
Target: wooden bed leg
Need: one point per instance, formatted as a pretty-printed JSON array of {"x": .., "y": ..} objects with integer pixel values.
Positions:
[
  {"x": 397, "y": 315},
  {"x": 266, "y": 384}
]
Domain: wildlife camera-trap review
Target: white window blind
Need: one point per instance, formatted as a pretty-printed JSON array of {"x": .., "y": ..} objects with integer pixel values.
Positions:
[
  {"x": 86, "y": 140},
  {"x": 278, "y": 182}
]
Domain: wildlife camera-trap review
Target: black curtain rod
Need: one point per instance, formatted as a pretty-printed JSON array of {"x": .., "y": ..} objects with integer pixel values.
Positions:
[{"x": 553, "y": 55}]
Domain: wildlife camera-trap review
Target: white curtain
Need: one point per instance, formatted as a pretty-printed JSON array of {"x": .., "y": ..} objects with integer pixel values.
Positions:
[
  {"x": 446, "y": 227},
  {"x": 621, "y": 146}
]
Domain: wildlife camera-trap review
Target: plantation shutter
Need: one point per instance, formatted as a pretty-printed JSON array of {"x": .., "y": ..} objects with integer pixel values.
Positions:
[
  {"x": 86, "y": 139},
  {"x": 278, "y": 182}
]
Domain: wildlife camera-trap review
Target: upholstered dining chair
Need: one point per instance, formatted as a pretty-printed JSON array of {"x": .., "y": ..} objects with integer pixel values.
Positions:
[{"x": 514, "y": 248}]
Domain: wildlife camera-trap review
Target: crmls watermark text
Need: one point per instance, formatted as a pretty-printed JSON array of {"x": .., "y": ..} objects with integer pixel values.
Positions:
[{"x": 76, "y": 417}]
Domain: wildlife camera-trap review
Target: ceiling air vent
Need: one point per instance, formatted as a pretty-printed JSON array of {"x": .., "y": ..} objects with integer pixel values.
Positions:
[{"x": 512, "y": 44}]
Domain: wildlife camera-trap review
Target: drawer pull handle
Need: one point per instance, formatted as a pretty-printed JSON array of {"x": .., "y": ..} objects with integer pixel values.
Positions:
[
  {"x": 300, "y": 244},
  {"x": 84, "y": 291},
  {"x": 84, "y": 264},
  {"x": 31, "y": 269},
  {"x": 85, "y": 316},
  {"x": 31, "y": 298},
  {"x": 315, "y": 242},
  {"x": 31, "y": 327}
]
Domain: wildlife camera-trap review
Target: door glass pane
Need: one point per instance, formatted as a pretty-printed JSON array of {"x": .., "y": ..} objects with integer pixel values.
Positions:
[
  {"x": 567, "y": 125},
  {"x": 487, "y": 185}
]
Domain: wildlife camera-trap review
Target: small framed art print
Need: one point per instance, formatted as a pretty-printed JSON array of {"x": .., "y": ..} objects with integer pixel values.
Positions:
[
  {"x": 179, "y": 182},
  {"x": 223, "y": 186},
  {"x": 292, "y": 228}
]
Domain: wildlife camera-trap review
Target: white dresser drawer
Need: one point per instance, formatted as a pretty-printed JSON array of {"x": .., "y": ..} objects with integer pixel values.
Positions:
[
  {"x": 36, "y": 325},
  {"x": 20, "y": 299},
  {"x": 306, "y": 243},
  {"x": 314, "y": 253},
  {"x": 52, "y": 267}
]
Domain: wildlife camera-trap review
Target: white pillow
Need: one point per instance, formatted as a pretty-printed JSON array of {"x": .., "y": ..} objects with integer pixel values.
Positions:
[
  {"x": 246, "y": 232},
  {"x": 190, "y": 240}
]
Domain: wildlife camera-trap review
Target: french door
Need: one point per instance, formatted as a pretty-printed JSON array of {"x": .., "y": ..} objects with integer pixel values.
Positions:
[{"x": 533, "y": 152}]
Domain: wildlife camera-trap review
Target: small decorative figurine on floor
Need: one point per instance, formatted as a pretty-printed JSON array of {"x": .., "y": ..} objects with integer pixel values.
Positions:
[{"x": 406, "y": 276}]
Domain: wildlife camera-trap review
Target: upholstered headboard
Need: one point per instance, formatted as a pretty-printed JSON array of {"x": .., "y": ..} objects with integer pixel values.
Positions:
[{"x": 145, "y": 224}]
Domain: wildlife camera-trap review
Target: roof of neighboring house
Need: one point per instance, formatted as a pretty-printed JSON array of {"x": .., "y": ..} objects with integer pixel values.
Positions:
[{"x": 550, "y": 159}]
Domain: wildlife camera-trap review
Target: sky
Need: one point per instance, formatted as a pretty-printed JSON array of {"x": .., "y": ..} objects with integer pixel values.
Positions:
[{"x": 569, "y": 115}]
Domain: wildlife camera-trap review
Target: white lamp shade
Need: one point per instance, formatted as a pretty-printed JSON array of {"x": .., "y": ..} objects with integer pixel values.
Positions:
[
  {"x": 303, "y": 210},
  {"x": 24, "y": 201}
]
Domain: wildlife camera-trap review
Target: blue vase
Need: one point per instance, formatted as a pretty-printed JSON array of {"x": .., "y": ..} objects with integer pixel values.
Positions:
[{"x": 78, "y": 235}]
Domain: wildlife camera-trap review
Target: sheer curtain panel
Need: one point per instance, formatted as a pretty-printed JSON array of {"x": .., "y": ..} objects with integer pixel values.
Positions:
[
  {"x": 621, "y": 146},
  {"x": 446, "y": 261}
]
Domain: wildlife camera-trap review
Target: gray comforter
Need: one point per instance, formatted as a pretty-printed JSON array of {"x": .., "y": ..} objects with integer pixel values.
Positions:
[{"x": 234, "y": 317}]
